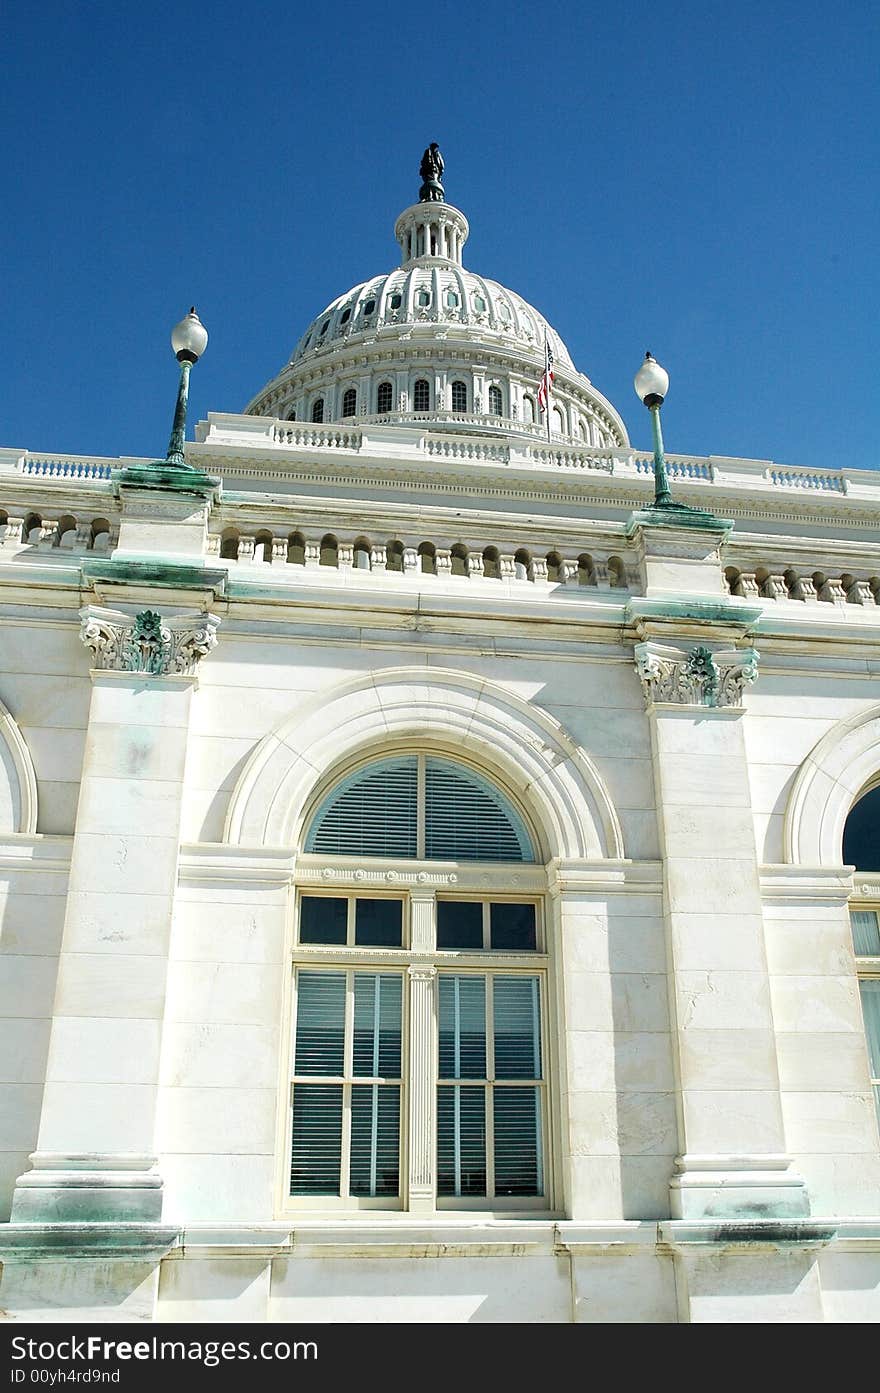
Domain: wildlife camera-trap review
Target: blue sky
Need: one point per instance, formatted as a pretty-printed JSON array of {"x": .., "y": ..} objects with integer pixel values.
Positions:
[{"x": 697, "y": 179}]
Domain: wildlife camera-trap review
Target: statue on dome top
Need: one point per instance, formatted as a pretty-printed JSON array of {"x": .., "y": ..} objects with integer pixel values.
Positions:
[{"x": 431, "y": 170}]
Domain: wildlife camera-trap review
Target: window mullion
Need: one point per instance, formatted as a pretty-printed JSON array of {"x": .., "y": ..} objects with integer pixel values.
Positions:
[
  {"x": 489, "y": 1090},
  {"x": 420, "y": 808},
  {"x": 422, "y": 1088},
  {"x": 348, "y": 1071}
]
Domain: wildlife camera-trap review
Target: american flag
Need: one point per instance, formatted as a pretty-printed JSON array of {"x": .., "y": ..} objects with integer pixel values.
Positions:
[{"x": 546, "y": 384}]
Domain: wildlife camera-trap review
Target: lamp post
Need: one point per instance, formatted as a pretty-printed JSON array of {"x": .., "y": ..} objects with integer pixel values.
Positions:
[
  {"x": 189, "y": 339},
  {"x": 652, "y": 383}
]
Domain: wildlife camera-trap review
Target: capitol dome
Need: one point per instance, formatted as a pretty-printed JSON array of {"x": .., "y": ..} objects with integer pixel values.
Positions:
[{"x": 433, "y": 342}]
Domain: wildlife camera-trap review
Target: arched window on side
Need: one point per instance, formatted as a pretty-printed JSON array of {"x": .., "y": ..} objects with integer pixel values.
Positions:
[
  {"x": 496, "y": 401},
  {"x": 861, "y": 848},
  {"x": 318, "y": 411},
  {"x": 421, "y": 395},
  {"x": 384, "y": 397},
  {"x": 528, "y": 410},
  {"x": 459, "y": 396},
  {"x": 359, "y": 1056},
  {"x": 349, "y": 401},
  {"x": 376, "y": 812}
]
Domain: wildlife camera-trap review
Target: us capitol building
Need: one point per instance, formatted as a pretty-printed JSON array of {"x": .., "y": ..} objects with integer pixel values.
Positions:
[{"x": 440, "y": 864}]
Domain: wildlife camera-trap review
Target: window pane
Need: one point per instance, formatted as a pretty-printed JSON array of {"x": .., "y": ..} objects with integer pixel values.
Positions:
[
  {"x": 459, "y": 924},
  {"x": 870, "y": 990},
  {"x": 518, "y": 1161},
  {"x": 866, "y": 932},
  {"x": 378, "y": 923},
  {"x": 371, "y": 813},
  {"x": 512, "y": 927},
  {"x": 377, "y": 1020},
  {"x": 517, "y": 1023},
  {"x": 316, "y": 1154},
  {"x": 320, "y": 1023},
  {"x": 861, "y": 834},
  {"x": 462, "y": 1027},
  {"x": 467, "y": 819},
  {"x": 375, "y": 1140},
  {"x": 322, "y": 919},
  {"x": 461, "y": 1141}
]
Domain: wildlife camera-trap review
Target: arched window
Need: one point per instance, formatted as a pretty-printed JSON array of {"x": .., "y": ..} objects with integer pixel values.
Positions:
[
  {"x": 528, "y": 408},
  {"x": 379, "y": 811},
  {"x": 368, "y": 1051},
  {"x": 522, "y": 565},
  {"x": 328, "y": 552},
  {"x": 558, "y": 425},
  {"x": 861, "y": 848},
  {"x": 291, "y": 416},
  {"x": 421, "y": 396},
  {"x": 383, "y": 397},
  {"x": 428, "y": 558},
  {"x": 459, "y": 396},
  {"x": 263, "y": 546},
  {"x": 229, "y": 544},
  {"x": 296, "y": 549},
  {"x": 349, "y": 401},
  {"x": 318, "y": 411},
  {"x": 496, "y": 401},
  {"x": 394, "y": 556},
  {"x": 362, "y": 555}
]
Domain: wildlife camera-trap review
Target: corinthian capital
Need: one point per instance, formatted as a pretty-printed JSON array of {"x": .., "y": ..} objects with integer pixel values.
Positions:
[
  {"x": 146, "y": 642},
  {"x": 696, "y": 676}
]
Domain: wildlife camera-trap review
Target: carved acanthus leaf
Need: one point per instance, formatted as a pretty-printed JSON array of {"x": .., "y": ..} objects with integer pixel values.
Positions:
[
  {"x": 695, "y": 676},
  {"x": 147, "y": 643}
]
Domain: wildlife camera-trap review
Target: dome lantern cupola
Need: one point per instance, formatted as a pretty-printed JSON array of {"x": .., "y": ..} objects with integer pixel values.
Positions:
[{"x": 431, "y": 230}]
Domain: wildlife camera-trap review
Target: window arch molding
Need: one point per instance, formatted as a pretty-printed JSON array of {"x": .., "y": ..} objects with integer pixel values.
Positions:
[
  {"x": 841, "y": 768},
  {"x": 18, "y": 780},
  {"x": 513, "y": 742}
]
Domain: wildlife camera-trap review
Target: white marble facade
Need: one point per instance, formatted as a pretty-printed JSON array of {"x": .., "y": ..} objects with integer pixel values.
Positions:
[{"x": 337, "y": 590}]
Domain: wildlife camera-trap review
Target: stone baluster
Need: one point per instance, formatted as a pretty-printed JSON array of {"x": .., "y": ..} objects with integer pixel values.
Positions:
[
  {"x": 11, "y": 534},
  {"x": 410, "y": 559},
  {"x": 569, "y": 571},
  {"x": 279, "y": 549},
  {"x": 836, "y": 592},
  {"x": 774, "y": 588},
  {"x": 48, "y": 534},
  {"x": 539, "y": 568},
  {"x": 443, "y": 560},
  {"x": 475, "y": 564},
  {"x": 313, "y": 554},
  {"x": 506, "y": 567},
  {"x": 378, "y": 558},
  {"x": 246, "y": 548},
  {"x": 345, "y": 556},
  {"x": 213, "y": 544},
  {"x": 600, "y": 574},
  {"x": 865, "y": 594},
  {"x": 807, "y": 588}
]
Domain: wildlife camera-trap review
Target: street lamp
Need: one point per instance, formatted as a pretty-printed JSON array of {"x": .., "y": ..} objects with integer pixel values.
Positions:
[
  {"x": 652, "y": 383},
  {"x": 189, "y": 339}
]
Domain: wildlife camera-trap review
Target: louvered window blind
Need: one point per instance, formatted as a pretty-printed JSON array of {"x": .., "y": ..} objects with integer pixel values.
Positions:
[
  {"x": 347, "y": 1084},
  {"x": 866, "y": 932},
  {"x": 489, "y": 1095},
  {"x": 870, "y": 994},
  {"x": 376, "y": 812}
]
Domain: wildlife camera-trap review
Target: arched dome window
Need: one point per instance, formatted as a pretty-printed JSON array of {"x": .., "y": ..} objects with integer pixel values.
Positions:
[
  {"x": 419, "y": 806},
  {"x": 384, "y": 396},
  {"x": 349, "y": 401},
  {"x": 421, "y": 395},
  {"x": 459, "y": 396},
  {"x": 452, "y": 299},
  {"x": 496, "y": 401},
  {"x": 318, "y": 411}
]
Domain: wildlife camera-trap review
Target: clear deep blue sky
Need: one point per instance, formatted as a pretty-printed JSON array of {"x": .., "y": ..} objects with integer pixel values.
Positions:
[{"x": 697, "y": 179}]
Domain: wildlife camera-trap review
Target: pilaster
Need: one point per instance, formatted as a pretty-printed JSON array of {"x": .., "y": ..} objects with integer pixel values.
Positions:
[{"x": 96, "y": 1150}]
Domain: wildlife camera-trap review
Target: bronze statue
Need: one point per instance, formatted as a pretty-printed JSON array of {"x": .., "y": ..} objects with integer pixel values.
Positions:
[{"x": 431, "y": 170}]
